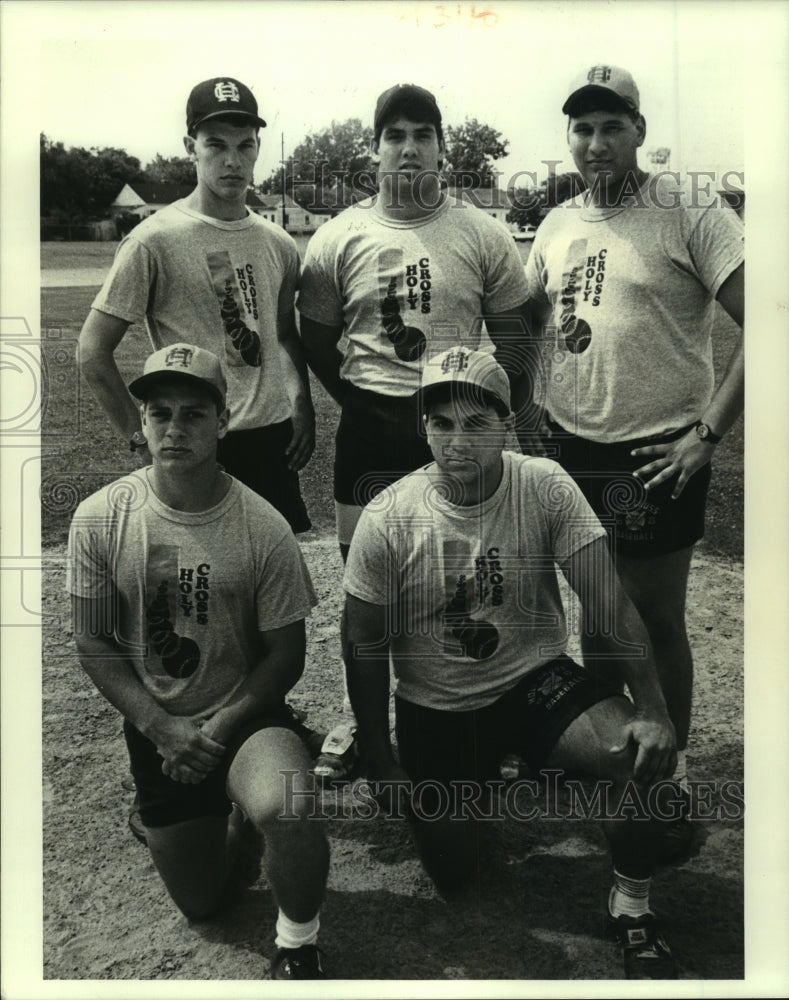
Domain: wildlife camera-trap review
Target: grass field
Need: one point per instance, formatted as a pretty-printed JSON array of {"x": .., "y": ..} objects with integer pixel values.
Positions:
[{"x": 82, "y": 452}]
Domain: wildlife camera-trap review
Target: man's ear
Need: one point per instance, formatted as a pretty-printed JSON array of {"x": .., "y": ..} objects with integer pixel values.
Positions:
[
  {"x": 442, "y": 154},
  {"x": 641, "y": 129},
  {"x": 224, "y": 419},
  {"x": 189, "y": 146},
  {"x": 375, "y": 156},
  {"x": 142, "y": 416}
]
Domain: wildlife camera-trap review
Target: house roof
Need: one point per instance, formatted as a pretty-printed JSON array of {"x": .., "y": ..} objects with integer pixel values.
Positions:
[
  {"x": 275, "y": 201},
  {"x": 144, "y": 193}
]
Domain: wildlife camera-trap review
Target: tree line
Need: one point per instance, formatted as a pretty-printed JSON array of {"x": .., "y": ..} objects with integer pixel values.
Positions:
[{"x": 330, "y": 168}]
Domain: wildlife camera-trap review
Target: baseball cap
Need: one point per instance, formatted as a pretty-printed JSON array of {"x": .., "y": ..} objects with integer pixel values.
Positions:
[
  {"x": 463, "y": 367},
  {"x": 604, "y": 79},
  {"x": 221, "y": 95},
  {"x": 184, "y": 361},
  {"x": 406, "y": 93}
]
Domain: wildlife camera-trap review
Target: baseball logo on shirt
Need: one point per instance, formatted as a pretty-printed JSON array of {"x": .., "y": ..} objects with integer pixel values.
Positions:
[
  {"x": 582, "y": 281},
  {"x": 477, "y": 639},
  {"x": 408, "y": 341},
  {"x": 235, "y": 289}
]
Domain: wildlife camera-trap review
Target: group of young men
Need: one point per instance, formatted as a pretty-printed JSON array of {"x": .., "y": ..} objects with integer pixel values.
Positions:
[{"x": 188, "y": 586}]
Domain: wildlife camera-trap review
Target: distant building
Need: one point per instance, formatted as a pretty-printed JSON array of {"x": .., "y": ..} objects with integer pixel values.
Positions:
[
  {"x": 492, "y": 201},
  {"x": 297, "y": 219},
  {"x": 143, "y": 199}
]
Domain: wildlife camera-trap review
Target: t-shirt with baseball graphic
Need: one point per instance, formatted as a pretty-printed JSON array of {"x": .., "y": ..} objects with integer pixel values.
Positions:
[
  {"x": 631, "y": 290},
  {"x": 192, "y": 590},
  {"x": 220, "y": 285},
  {"x": 404, "y": 290},
  {"x": 474, "y": 590}
]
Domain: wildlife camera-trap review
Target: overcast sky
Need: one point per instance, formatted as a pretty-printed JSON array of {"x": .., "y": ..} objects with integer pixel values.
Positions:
[{"x": 119, "y": 74}]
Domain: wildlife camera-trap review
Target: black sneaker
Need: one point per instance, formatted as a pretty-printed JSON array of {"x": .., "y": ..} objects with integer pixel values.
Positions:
[
  {"x": 298, "y": 963},
  {"x": 645, "y": 951},
  {"x": 338, "y": 760}
]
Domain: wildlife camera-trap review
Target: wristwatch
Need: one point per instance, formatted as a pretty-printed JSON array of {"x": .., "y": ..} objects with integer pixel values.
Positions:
[
  {"x": 137, "y": 440},
  {"x": 705, "y": 434}
]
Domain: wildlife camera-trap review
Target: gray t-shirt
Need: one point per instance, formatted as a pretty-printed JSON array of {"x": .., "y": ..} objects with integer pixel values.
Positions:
[
  {"x": 631, "y": 291},
  {"x": 474, "y": 590},
  {"x": 406, "y": 290},
  {"x": 220, "y": 285},
  {"x": 193, "y": 590}
]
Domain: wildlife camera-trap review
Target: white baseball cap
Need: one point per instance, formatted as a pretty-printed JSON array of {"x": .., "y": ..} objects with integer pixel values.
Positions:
[
  {"x": 461, "y": 366},
  {"x": 606, "y": 79},
  {"x": 187, "y": 362}
]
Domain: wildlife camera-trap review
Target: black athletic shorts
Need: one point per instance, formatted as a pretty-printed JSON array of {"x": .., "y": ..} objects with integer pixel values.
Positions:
[
  {"x": 443, "y": 746},
  {"x": 638, "y": 522},
  {"x": 164, "y": 801},
  {"x": 379, "y": 440},
  {"x": 257, "y": 457}
]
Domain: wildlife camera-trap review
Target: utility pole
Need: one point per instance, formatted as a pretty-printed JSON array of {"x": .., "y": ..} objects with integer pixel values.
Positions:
[{"x": 282, "y": 161}]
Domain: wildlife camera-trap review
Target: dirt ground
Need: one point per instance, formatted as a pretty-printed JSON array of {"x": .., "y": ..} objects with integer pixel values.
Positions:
[
  {"x": 539, "y": 911},
  {"x": 538, "y": 914}
]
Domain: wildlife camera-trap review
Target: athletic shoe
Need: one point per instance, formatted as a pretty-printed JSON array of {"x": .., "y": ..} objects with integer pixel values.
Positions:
[
  {"x": 298, "y": 963},
  {"x": 645, "y": 951},
  {"x": 339, "y": 756}
]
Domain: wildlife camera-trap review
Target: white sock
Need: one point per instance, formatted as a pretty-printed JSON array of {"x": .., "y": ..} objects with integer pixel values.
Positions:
[
  {"x": 291, "y": 934},
  {"x": 629, "y": 896},
  {"x": 681, "y": 771}
]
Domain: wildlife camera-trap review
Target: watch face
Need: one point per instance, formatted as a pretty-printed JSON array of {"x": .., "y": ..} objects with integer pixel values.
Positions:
[{"x": 702, "y": 430}]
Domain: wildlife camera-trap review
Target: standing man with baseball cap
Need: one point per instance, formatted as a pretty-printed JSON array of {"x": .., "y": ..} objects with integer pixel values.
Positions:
[
  {"x": 389, "y": 283},
  {"x": 627, "y": 276},
  {"x": 451, "y": 577},
  {"x": 208, "y": 270},
  {"x": 189, "y": 595}
]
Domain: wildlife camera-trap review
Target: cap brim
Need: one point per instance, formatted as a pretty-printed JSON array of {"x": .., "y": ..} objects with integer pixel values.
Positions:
[
  {"x": 594, "y": 89},
  {"x": 141, "y": 386},
  {"x": 253, "y": 119},
  {"x": 432, "y": 114},
  {"x": 422, "y": 395}
]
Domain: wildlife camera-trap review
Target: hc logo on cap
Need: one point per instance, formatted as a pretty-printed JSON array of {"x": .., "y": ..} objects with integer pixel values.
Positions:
[
  {"x": 179, "y": 356},
  {"x": 599, "y": 74},
  {"x": 226, "y": 90},
  {"x": 457, "y": 361}
]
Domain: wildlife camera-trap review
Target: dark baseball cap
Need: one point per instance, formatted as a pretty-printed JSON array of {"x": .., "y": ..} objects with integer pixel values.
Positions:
[
  {"x": 406, "y": 94},
  {"x": 220, "y": 96}
]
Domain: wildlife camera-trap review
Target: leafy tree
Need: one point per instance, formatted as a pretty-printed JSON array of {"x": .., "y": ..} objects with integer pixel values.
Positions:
[
  {"x": 78, "y": 184},
  {"x": 472, "y": 149},
  {"x": 530, "y": 205},
  {"x": 170, "y": 170},
  {"x": 325, "y": 165}
]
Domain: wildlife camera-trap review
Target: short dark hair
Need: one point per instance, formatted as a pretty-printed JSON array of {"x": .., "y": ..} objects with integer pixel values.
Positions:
[
  {"x": 415, "y": 111},
  {"x": 447, "y": 392},
  {"x": 599, "y": 100}
]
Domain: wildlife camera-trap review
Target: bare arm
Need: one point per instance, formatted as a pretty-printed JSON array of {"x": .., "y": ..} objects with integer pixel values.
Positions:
[
  {"x": 365, "y": 645},
  {"x": 280, "y": 665},
  {"x": 320, "y": 347},
  {"x": 297, "y": 382},
  {"x": 188, "y": 754},
  {"x": 100, "y": 336},
  {"x": 610, "y": 615},
  {"x": 516, "y": 336},
  {"x": 687, "y": 455}
]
